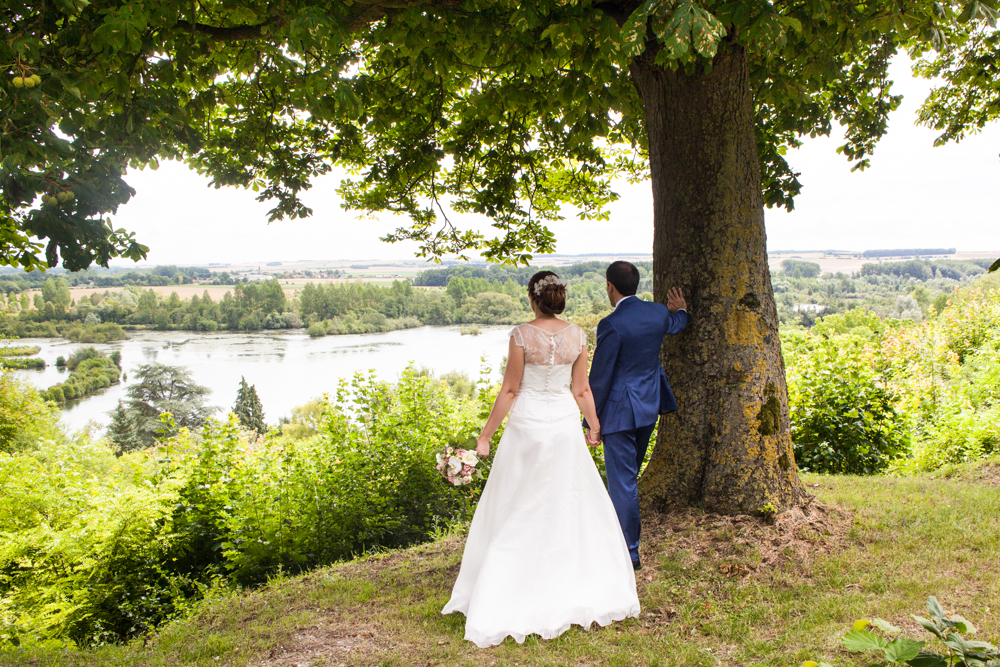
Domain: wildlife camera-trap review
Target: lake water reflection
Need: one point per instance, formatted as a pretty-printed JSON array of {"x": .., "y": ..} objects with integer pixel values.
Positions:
[{"x": 288, "y": 368}]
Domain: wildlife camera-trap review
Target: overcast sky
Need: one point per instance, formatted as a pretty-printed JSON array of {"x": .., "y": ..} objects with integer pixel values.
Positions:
[{"x": 914, "y": 195}]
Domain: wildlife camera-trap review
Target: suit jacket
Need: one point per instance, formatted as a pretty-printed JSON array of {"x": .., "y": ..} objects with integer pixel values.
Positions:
[{"x": 629, "y": 386}]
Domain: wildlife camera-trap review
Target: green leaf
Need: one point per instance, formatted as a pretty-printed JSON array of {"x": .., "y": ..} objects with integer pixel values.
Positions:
[
  {"x": 995, "y": 266},
  {"x": 927, "y": 659},
  {"x": 962, "y": 625},
  {"x": 934, "y": 607},
  {"x": 885, "y": 626},
  {"x": 862, "y": 640},
  {"x": 928, "y": 625},
  {"x": 902, "y": 649}
]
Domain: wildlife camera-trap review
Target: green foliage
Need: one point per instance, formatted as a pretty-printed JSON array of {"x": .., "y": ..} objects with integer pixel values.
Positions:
[
  {"x": 83, "y": 550},
  {"x": 158, "y": 390},
  {"x": 510, "y": 110},
  {"x": 950, "y": 377},
  {"x": 21, "y": 364},
  {"x": 883, "y": 639},
  {"x": 799, "y": 269},
  {"x": 248, "y": 409},
  {"x": 101, "y": 548},
  {"x": 305, "y": 420},
  {"x": 25, "y": 417},
  {"x": 866, "y": 393},
  {"x": 843, "y": 417},
  {"x": 91, "y": 372},
  {"x": 960, "y": 105}
]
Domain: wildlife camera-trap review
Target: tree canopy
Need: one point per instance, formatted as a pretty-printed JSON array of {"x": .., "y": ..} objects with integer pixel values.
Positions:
[{"x": 438, "y": 108}]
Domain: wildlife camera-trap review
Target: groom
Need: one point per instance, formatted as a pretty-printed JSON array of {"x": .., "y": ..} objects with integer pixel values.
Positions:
[{"x": 630, "y": 388}]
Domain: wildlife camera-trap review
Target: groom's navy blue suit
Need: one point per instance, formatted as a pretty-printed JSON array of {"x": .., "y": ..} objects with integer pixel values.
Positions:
[{"x": 630, "y": 392}]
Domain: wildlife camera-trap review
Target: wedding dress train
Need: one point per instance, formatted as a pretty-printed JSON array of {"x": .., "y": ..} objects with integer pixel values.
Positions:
[{"x": 545, "y": 549}]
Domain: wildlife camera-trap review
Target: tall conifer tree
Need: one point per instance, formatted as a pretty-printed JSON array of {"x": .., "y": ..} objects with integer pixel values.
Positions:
[{"x": 248, "y": 408}]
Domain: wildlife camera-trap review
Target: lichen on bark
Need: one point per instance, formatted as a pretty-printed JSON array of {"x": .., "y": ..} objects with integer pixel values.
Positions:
[{"x": 729, "y": 447}]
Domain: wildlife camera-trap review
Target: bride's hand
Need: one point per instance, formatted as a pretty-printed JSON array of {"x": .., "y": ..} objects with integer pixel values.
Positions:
[{"x": 483, "y": 446}]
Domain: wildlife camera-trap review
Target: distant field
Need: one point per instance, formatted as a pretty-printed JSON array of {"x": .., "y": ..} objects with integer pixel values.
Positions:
[{"x": 215, "y": 291}]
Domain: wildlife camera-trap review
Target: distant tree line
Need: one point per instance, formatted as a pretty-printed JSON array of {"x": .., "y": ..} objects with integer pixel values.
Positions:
[
  {"x": 15, "y": 282},
  {"x": 454, "y": 295},
  {"x": 908, "y": 252},
  {"x": 922, "y": 269},
  {"x": 521, "y": 274}
]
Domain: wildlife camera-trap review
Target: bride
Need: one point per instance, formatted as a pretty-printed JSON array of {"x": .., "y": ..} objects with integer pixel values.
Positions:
[{"x": 545, "y": 549}]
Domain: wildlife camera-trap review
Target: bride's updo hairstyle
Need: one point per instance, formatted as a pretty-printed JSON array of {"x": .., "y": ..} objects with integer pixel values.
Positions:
[{"x": 550, "y": 295}]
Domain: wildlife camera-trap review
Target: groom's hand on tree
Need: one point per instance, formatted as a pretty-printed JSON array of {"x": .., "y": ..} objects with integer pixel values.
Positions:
[{"x": 675, "y": 300}]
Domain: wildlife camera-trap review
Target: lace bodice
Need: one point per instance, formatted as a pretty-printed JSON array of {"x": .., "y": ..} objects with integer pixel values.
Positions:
[
  {"x": 548, "y": 357},
  {"x": 549, "y": 349}
]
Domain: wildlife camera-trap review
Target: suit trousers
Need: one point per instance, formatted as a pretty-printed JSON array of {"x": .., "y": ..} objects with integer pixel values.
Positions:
[{"x": 624, "y": 453}]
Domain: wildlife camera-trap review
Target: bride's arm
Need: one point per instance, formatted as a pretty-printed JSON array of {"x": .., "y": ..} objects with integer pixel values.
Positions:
[
  {"x": 505, "y": 399},
  {"x": 585, "y": 397}
]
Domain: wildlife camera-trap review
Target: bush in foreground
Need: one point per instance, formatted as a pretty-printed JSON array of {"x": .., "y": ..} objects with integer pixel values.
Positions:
[{"x": 102, "y": 548}]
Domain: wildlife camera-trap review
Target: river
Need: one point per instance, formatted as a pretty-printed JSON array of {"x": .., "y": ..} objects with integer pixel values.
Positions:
[{"x": 288, "y": 368}]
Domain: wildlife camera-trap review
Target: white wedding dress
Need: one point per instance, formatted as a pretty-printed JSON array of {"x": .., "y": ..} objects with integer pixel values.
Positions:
[{"x": 545, "y": 549}]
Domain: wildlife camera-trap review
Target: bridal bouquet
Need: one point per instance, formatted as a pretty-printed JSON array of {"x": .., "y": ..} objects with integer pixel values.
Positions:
[{"x": 458, "y": 466}]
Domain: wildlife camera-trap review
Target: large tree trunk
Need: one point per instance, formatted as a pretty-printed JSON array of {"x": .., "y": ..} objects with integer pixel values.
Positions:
[{"x": 729, "y": 447}]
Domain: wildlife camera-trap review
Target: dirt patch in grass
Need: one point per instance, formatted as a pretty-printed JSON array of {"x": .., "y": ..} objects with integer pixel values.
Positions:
[
  {"x": 741, "y": 544},
  {"x": 988, "y": 473},
  {"x": 363, "y": 633},
  {"x": 326, "y": 644}
]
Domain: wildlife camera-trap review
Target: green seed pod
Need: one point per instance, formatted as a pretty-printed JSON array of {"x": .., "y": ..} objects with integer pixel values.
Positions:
[{"x": 18, "y": 82}]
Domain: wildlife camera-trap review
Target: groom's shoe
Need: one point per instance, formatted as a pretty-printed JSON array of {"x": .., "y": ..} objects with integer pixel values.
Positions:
[{"x": 636, "y": 565}]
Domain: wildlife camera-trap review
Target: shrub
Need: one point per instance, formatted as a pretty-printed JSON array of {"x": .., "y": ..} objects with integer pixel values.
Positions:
[
  {"x": 24, "y": 415},
  {"x": 843, "y": 417},
  {"x": 91, "y": 372}
]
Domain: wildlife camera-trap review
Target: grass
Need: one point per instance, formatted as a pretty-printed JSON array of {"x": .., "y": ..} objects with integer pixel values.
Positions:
[{"x": 714, "y": 591}]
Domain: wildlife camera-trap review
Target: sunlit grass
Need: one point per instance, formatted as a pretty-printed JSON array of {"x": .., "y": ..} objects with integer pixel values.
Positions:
[{"x": 910, "y": 538}]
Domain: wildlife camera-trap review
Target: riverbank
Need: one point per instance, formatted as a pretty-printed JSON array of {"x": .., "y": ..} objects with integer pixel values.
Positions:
[{"x": 714, "y": 591}]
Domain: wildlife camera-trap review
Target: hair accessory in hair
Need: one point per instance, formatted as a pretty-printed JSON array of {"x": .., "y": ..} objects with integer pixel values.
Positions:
[{"x": 546, "y": 281}]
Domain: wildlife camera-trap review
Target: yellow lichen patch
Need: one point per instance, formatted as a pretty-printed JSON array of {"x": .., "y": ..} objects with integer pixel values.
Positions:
[{"x": 741, "y": 329}]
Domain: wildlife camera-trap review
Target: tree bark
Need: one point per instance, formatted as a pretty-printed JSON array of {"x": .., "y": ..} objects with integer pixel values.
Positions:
[{"x": 728, "y": 448}]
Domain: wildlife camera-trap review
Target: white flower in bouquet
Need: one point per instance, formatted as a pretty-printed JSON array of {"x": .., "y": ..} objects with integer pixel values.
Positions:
[
  {"x": 454, "y": 465},
  {"x": 469, "y": 457}
]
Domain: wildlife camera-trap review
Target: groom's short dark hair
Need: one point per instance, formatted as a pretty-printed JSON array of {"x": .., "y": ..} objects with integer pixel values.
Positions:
[{"x": 624, "y": 276}]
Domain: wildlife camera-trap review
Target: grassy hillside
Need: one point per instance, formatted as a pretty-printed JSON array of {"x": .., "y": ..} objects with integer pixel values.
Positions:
[{"x": 715, "y": 591}]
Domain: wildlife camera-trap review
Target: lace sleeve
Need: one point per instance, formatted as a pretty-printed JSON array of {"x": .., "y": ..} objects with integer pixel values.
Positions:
[
  {"x": 515, "y": 333},
  {"x": 583, "y": 339}
]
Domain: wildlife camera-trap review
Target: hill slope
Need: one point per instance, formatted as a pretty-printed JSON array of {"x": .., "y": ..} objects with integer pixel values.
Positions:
[{"x": 716, "y": 590}]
